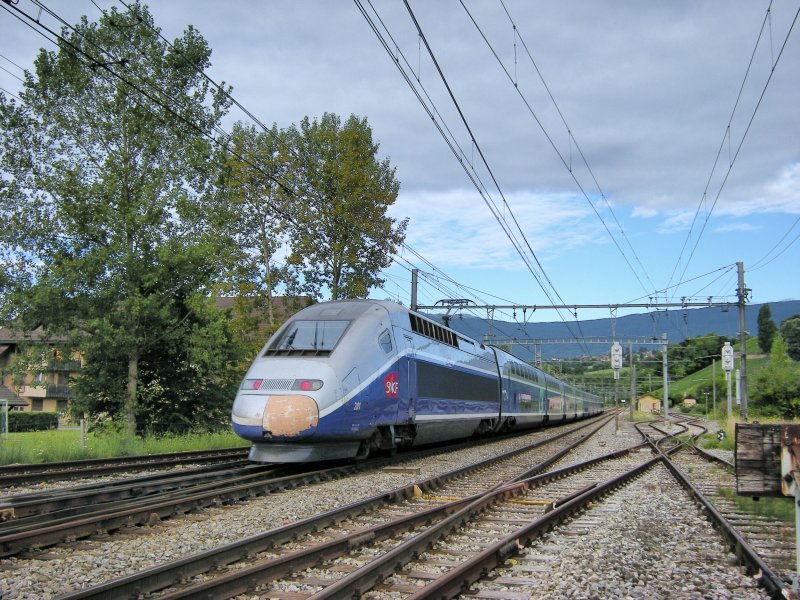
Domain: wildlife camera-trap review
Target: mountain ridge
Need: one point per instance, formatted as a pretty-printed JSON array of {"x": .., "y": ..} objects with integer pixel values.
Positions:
[{"x": 677, "y": 324}]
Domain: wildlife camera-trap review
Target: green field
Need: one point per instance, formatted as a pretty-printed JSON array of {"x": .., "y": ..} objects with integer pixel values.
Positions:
[
  {"x": 692, "y": 383},
  {"x": 61, "y": 445}
]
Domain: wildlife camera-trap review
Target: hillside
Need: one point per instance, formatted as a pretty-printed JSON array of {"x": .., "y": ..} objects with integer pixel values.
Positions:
[{"x": 694, "y": 383}]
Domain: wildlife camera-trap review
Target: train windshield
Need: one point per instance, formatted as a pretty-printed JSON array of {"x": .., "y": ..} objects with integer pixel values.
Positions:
[{"x": 312, "y": 336}]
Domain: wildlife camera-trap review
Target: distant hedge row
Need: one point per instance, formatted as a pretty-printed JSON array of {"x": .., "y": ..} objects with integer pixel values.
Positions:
[{"x": 32, "y": 421}]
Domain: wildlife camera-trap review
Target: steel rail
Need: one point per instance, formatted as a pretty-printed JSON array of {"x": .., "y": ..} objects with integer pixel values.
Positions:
[
  {"x": 14, "y": 475},
  {"x": 737, "y": 543},
  {"x": 162, "y": 576},
  {"x": 148, "y": 512},
  {"x": 238, "y": 582},
  {"x": 65, "y": 516},
  {"x": 44, "y": 503},
  {"x": 459, "y": 578}
]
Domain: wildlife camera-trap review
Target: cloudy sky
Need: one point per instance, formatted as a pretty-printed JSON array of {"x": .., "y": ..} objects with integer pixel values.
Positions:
[{"x": 638, "y": 170}]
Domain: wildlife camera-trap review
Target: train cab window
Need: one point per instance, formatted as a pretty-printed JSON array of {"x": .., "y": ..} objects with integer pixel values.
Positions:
[
  {"x": 385, "y": 341},
  {"x": 309, "y": 336}
]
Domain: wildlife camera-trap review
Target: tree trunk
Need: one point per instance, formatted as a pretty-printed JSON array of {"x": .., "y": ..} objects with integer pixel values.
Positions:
[
  {"x": 336, "y": 275},
  {"x": 130, "y": 399}
]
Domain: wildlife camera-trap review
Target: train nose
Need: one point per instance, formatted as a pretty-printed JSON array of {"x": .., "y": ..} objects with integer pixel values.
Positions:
[
  {"x": 293, "y": 416},
  {"x": 275, "y": 416}
]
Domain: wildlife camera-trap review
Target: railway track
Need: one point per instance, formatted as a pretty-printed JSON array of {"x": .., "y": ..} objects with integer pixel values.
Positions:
[
  {"x": 641, "y": 539},
  {"x": 508, "y": 542},
  {"x": 489, "y": 473},
  {"x": 50, "y": 506},
  {"x": 715, "y": 479},
  {"x": 41, "y": 520},
  {"x": 438, "y": 545},
  {"x": 22, "y": 474}
]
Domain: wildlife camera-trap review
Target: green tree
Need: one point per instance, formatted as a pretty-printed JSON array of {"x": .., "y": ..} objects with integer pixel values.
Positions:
[
  {"x": 690, "y": 355},
  {"x": 342, "y": 237},
  {"x": 790, "y": 331},
  {"x": 777, "y": 386},
  {"x": 253, "y": 214},
  {"x": 103, "y": 196},
  {"x": 766, "y": 328},
  {"x": 186, "y": 380}
]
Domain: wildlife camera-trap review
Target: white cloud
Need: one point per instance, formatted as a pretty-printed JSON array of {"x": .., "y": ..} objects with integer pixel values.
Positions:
[
  {"x": 732, "y": 227},
  {"x": 456, "y": 228},
  {"x": 678, "y": 221},
  {"x": 780, "y": 195},
  {"x": 644, "y": 212}
]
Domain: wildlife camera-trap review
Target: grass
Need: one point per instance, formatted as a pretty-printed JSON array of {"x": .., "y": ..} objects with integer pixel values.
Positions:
[
  {"x": 64, "y": 445},
  {"x": 640, "y": 417},
  {"x": 711, "y": 442},
  {"x": 694, "y": 382},
  {"x": 780, "y": 509}
]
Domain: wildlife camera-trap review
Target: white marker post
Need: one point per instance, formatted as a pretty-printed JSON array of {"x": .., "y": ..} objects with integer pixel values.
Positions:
[{"x": 727, "y": 366}]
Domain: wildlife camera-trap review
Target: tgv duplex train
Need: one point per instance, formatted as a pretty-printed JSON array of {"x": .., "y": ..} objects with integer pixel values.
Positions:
[{"x": 341, "y": 379}]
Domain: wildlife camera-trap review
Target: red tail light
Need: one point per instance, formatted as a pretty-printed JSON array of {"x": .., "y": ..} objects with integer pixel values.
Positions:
[
  {"x": 307, "y": 385},
  {"x": 252, "y": 384}
]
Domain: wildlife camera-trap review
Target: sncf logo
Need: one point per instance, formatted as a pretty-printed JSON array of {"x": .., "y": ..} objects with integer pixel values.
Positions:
[{"x": 391, "y": 385}]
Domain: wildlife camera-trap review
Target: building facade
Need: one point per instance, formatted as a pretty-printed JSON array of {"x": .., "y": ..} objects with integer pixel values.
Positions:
[{"x": 35, "y": 375}]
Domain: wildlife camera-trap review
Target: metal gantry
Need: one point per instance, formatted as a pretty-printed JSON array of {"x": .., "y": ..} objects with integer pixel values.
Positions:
[{"x": 742, "y": 293}]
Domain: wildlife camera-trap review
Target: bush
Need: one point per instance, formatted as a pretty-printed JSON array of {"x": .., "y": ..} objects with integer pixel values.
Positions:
[{"x": 32, "y": 421}]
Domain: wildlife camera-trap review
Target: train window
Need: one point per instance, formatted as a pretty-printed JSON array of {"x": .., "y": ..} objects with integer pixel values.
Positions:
[
  {"x": 315, "y": 336},
  {"x": 385, "y": 341},
  {"x": 432, "y": 330}
]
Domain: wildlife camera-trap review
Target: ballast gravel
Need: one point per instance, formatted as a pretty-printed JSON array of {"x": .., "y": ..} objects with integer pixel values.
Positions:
[
  {"x": 70, "y": 567},
  {"x": 646, "y": 540}
]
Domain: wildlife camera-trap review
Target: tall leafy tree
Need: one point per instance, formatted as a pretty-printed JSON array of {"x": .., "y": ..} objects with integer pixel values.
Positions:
[
  {"x": 777, "y": 386},
  {"x": 790, "y": 331},
  {"x": 766, "y": 328},
  {"x": 252, "y": 217},
  {"x": 343, "y": 236},
  {"x": 103, "y": 189}
]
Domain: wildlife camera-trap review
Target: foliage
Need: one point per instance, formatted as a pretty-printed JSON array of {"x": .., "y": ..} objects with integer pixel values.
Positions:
[
  {"x": 29, "y": 359},
  {"x": 710, "y": 441},
  {"x": 780, "y": 509},
  {"x": 790, "y": 331},
  {"x": 777, "y": 386},
  {"x": 106, "y": 229},
  {"x": 696, "y": 409},
  {"x": 32, "y": 421},
  {"x": 187, "y": 376},
  {"x": 643, "y": 417},
  {"x": 691, "y": 355},
  {"x": 342, "y": 237},
  {"x": 252, "y": 217},
  {"x": 766, "y": 328}
]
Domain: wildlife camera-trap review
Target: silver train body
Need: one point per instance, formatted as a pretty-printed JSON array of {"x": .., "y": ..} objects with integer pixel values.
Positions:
[{"x": 342, "y": 379}]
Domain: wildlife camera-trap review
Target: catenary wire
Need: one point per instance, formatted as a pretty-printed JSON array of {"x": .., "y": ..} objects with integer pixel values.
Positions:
[
  {"x": 486, "y": 163},
  {"x": 444, "y": 131},
  {"x": 549, "y": 138},
  {"x": 758, "y": 264},
  {"x": 160, "y": 103},
  {"x": 741, "y": 142}
]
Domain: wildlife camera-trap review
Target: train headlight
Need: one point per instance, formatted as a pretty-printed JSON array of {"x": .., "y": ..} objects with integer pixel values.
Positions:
[
  {"x": 307, "y": 385},
  {"x": 251, "y": 384}
]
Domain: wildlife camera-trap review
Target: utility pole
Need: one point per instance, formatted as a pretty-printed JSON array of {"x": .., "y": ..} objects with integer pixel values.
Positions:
[
  {"x": 414, "y": 276},
  {"x": 633, "y": 378},
  {"x": 742, "y": 293},
  {"x": 666, "y": 374},
  {"x": 714, "y": 383}
]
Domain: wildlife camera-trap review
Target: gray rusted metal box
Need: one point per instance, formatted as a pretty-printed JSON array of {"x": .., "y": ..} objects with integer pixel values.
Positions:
[{"x": 758, "y": 460}]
